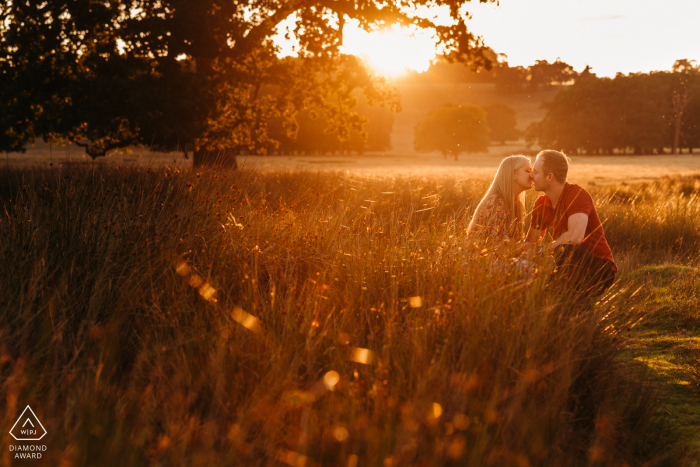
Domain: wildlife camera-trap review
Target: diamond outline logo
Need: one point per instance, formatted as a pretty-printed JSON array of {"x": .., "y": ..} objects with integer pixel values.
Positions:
[{"x": 30, "y": 422}]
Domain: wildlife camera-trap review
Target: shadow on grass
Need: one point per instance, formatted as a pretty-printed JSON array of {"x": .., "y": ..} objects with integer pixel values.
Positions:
[{"x": 668, "y": 345}]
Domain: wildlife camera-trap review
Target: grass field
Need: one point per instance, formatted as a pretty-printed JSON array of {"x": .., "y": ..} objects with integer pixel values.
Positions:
[
  {"x": 600, "y": 170},
  {"x": 168, "y": 317}
]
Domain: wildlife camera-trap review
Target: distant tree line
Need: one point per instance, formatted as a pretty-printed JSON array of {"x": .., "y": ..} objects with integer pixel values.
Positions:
[
  {"x": 466, "y": 128},
  {"x": 639, "y": 113},
  {"x": 506, "y": 78},
  {"x": 535, "y": 77}
]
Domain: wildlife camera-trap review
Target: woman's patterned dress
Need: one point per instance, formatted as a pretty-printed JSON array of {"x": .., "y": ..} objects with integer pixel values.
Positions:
[{"x": 492, "y": 224}]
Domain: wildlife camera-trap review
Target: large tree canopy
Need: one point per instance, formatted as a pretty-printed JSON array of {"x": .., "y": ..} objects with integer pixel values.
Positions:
[{"x": 201, "y": 75}]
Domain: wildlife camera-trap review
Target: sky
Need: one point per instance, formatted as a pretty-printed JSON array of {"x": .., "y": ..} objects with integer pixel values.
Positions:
[{"x": 609, "y": 35}]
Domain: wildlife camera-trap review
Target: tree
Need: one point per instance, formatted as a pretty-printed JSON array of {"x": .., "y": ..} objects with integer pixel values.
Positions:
[
  {"x": 510, "y": 79},
  {"x": 597, "y": 115},
  {"x": 453, "y": 129},
  {"x": 684, "y": 70},
  {"x": 690, "y": 130},
  {"x": 586, "y": 73},
  {"x": 111, "y": 74},
  {"x": 641, "y": 112},
  {"x": 501, "y": 120},
  {"x": 543, "y": 73}
]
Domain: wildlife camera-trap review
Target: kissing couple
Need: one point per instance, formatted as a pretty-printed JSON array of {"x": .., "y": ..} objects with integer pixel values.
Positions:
[{"x": 583, "y": 259}]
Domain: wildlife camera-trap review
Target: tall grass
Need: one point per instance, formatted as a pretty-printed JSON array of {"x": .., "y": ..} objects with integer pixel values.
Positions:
[
  {"x": 243, "y": 318},
  {"x": 653, "y": 221}
]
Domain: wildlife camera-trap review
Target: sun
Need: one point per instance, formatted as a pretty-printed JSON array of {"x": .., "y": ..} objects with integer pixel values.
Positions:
[{"x": 392, "y": 51}]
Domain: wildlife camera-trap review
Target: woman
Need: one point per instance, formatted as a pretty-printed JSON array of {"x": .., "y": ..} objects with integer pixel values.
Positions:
[{"x": 499, "y": 216}]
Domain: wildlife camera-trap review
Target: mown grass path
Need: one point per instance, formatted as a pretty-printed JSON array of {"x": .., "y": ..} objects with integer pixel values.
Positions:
[{"x": 668, "y": 344}]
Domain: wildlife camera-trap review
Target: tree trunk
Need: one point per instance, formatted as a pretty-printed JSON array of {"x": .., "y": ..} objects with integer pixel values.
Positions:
[
  {"x": 679, "y": 103},
  {"x": 225, "y": 158}
]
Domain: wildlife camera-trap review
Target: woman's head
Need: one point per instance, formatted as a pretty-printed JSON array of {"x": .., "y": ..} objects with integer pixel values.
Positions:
[{"x": 512, "y": 178}]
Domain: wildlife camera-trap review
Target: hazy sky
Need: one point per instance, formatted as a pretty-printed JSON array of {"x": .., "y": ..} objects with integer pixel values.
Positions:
[{"x": 609, "y": 35}]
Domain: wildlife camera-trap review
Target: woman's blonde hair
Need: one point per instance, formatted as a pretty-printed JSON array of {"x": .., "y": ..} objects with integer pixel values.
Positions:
[{"x": 503, "y": 187}]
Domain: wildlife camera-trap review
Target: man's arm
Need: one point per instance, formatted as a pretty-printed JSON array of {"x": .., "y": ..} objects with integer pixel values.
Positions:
[{"x": 576, "y": 232}]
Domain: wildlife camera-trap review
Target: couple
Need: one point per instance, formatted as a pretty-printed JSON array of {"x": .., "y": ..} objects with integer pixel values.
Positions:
[{"x": 583, "y": 258}]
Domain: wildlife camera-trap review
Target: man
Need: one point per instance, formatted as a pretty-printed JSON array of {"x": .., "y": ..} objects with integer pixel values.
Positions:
[{"x": 584, "y": 259}]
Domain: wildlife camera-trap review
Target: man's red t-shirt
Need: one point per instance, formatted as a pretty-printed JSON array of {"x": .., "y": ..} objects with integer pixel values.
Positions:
[{"x": 574, "y": 200}]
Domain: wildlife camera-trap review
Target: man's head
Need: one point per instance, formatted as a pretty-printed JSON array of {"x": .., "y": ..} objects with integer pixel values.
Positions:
[{"x": 551, "y": 169}]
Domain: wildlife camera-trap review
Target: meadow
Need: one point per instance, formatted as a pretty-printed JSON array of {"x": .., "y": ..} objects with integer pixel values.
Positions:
[{"x": 167, "y": 317}]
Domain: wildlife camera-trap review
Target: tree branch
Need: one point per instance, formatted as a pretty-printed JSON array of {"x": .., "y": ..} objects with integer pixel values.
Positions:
[
  {"x": 259, "y": 32},
  {"x": 90, "y": 148}
]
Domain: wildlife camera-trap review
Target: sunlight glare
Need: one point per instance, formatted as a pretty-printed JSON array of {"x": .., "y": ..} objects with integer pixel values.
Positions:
[
  {"x": 437, "y": 410},
  {"x": 292, "y": 458},
  {"x": 207, "y": 292},
  {"x": 121, "y": 46},
  {"x": 195, "y": 280},
  {"x": 390, "y": 52},
  {"x": 340, "y": 433},
  {"x": 362, "y": 355},
  {"x": 330, "y": 379},
  {"x": 285, "y": 39},
  {"x": 393, "y": 51},
  {"x": 183, "y": 269},
  {"x": 246, "y": 320}
]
